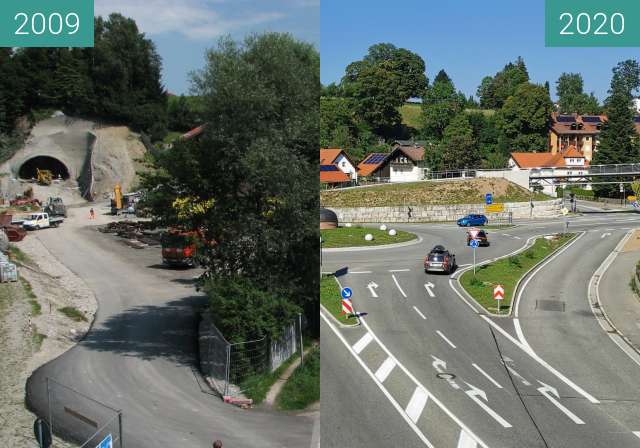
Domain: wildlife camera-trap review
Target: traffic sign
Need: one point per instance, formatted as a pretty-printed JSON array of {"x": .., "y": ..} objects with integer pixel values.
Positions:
[
  {"x": 474, "y": 243},
  {"x": 347, "y": 307},
  {"x": 498, "y": 292},
  {"x": 346, "y": 293},
  {"x": 494, "y": 208},
  {"x": 42, "y": 433},
  {"x": 107, "y": 442},
  {"x": 621, "y": 187},
  {"x": 488, "y": 198}
]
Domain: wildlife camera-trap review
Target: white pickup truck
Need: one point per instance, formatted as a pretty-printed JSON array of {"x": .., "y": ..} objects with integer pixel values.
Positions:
[{"x": 37, "y": 221}]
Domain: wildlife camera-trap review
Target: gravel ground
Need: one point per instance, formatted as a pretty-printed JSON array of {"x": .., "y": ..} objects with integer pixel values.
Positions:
[{"x": 55, "y": 287}]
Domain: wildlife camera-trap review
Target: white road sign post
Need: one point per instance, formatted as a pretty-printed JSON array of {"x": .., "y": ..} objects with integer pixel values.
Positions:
[{"x": 498, "y": 294}]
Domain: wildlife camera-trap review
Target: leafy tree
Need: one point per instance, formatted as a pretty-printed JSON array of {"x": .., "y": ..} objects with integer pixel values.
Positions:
[
  {"x": 458, "y": 148},
  {"x": 494, "y": 91},
  {"x": 485, "y": 93},
  {"x": 381, "y": 82},
  {"x": 571, "y": 97},
  {"x": 260, "y": 102},
  {"x": 524, "y": 118},
  {"x": 331, "y": 90},
  {"x": 626, "y": 77},
  {"x": 487, "y": 137},
  {"x": 439, "y": 105},
  {"x": 181, "y": 117},
  {"x": 340, "y": 128}
]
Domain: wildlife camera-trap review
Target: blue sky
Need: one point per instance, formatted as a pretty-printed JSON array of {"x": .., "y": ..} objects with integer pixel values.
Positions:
[
  {"x": 183, "y": 29},
  {"x": 468, "y": 38}
]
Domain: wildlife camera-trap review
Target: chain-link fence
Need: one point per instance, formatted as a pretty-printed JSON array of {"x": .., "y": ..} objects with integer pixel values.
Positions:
[
  {"x": 78, "y": 418},
  {"x": 227, "y": 366}
]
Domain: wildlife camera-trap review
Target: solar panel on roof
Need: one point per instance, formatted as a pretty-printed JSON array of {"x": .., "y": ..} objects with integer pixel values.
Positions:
[
  {"x": 375, "y": 159},
  {"x": 328, "y": 168},
  {"x": 566, "y": 119},
  {"x": 591, "y": 119}
]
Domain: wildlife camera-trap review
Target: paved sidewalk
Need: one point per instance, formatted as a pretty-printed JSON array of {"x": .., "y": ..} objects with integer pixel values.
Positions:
[{"x": 618, "y": 300}]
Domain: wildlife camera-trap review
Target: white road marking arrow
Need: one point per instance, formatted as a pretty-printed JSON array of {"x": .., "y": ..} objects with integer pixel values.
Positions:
[
  {"x": 429, "y": 287},
  {"x": 440, "y": 367},
  {"x": 372, "y": 287},
  {"x": 479, "y": 396},
  {"x": 547, "y": 391},
  {"x": 513, "y": 372},
  {"x": 604, "y": 235}
]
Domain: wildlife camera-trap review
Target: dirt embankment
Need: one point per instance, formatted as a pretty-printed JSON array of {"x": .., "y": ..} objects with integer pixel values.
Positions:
[{"x": 33, "y": 331}]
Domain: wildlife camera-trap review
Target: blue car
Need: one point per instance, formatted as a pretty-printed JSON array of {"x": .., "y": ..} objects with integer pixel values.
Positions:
[{"x": 473, "y": 220}]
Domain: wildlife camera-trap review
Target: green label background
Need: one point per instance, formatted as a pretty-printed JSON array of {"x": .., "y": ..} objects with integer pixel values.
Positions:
[
  {"x": 630, "y": 9},
  {"x": 8, "y": 24}
]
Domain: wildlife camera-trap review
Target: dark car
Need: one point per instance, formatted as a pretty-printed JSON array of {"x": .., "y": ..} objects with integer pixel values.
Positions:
[
  {"x": 473, "y": 220},
  {"x": 477, "y": 234},
  {"x": 440, "y": 260}
]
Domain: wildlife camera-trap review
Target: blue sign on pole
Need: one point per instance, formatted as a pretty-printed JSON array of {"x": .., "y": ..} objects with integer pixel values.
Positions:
[
  {"x": 474, "y": 243},
  {"x": 107, "y": 442},
  {"x": 488, "y": 198},
  {"x": 346, "y": 293}
]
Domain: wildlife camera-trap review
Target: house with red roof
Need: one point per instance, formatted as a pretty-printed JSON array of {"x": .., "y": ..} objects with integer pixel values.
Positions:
[
  {"x": 336, "y": 168},
  {"x": 405, "y": 163}
]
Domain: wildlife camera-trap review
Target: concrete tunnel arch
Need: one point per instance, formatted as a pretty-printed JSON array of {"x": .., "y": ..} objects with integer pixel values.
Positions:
[{"x": 29, "y": 168}]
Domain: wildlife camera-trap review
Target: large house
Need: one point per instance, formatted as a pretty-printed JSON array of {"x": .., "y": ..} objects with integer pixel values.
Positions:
[
  {"x": 579, "y": 131},
  {"x": 336, "y": 169},
  {"x": 405, "y": 163}
]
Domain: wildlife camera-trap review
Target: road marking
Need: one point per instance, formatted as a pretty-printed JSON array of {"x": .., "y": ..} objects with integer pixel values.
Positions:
[
  {"x": 465, "y": 441},
  {"x": 420, "y": 313},
  {"x": 372, "y": 287},
  {"x": 441, "y": 366},
  {"x": 480, "y": 397},
  {"x": 486, "y": 375},
  {"x": 606, "y": 234},
  {"x": 429, "y": 287},
  {"x": 506, "y": 234},
  {"x": 517, "y": 375},
  {"x": 517, "y": 238},
  {"x": 360, "y": 272},
  {"x": 636, "y": 433},
  {"x": 362, "y": 343},
  {"x": 385, "y": 369},
  {"x": 399, "y": 270},
  {"x": 445, "y": 338},
  {"x": 398, "y": 285},
  {"x": 547, "y": 391},
  {"x": 416, "y": 404}
]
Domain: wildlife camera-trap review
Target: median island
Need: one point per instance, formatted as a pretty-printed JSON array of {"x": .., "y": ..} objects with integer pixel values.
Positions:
[
  {"x": 355, "y": 237},
  {"x": 508, "y": 272},
  {"x": 331, "y": 301}
]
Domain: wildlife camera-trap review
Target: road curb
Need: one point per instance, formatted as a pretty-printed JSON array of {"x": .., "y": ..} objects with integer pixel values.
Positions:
[{"x": 329, "y": 250}]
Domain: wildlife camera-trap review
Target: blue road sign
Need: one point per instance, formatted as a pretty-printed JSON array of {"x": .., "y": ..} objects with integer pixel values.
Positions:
[
  {"x": 488, "y": 198},
  {"x": 474, "y": 243},
  {"x": 346, "y": 293},
  {"x": 635, "y": 204},
  {"x": 107, "y": 442}
]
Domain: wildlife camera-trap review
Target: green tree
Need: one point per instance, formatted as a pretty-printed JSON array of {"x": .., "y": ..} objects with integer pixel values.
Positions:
[
  {"x": 571, "y": 97},
  {"x": 485, "y": 93},
  {"x": 494, "y": 91},
  {"x": 524, "y": 118},
  {"x": 340, "y": 128},
  {"x": 458, "y": 148},
  {"x": 180, "y": 115},
  {"x": 260, "y": 102},
  {"x": 381, "y": 82},
  {"x": 440, "y": 104}
]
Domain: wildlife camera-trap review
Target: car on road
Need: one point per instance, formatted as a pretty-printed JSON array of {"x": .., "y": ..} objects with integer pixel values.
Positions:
[
  {"x": 440, "y": 260},
  {"x": 477, "y": 234},
  {"x": 473, "y": 220}
]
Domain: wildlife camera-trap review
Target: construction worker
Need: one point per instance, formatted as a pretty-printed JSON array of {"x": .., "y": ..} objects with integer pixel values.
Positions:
[{"x": 92, "y": 214}]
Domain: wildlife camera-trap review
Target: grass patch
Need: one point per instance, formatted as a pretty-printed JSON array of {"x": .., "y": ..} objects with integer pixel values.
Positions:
[
  {"x": 303, "y": 388},
  {"x": 73, "y": 313},
  {"x": 36, "y": 309},
  {"x": 412, "y": 115},
  {"x": 507, "y": 272},
  {"x": 331, "y": 300},
  {"x": 471, "y": 191},
  {"x": 256, "y": 387},
  {"x": 37, "y": 338},
  {"x": 354, "y": 236},
  {"x": 16, "y": 254},
  {"x": 170, "y": 138}
]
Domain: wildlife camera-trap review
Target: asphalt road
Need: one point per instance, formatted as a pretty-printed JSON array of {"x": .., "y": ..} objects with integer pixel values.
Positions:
[
  {"x": 546, "y": 379},
  {"x": 140, "y": 356}
]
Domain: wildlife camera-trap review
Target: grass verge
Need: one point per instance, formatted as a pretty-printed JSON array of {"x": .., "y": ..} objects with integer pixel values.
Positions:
[
  {"x": 507, "y": 272},
  {"x": 256, "y": 387},
  {"x": 37, "y": 338},
  {"x": 73, "y": 313},
  {"x": 303, "y": 387},
  {"x": 19, "y": 256},
  {"x": 354, "y": 236},
  {"x": 331, "y": 300}
]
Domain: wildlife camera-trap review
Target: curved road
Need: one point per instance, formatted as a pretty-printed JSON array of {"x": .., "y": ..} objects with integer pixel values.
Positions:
[
  {"x": 550, "y": 378},
  {"x": 140, "y": 356}
]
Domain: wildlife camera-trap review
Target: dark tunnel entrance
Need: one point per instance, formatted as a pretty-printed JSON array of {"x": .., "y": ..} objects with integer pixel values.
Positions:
[{"x": 29, "y": 169}]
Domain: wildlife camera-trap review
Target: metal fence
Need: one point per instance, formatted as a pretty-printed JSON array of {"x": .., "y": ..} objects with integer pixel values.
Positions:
[
  {"x": 226, "y": 366},
  {"x": 78, "y": 418}
]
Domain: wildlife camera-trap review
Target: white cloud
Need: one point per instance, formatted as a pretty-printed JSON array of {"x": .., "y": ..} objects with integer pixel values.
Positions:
[{"x": 196, "y": 19}]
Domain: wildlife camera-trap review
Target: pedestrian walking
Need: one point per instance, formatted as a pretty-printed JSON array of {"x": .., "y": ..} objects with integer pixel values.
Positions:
[
  {"x": 92, "y": 214},
  {"x": 217, "y": 444}
]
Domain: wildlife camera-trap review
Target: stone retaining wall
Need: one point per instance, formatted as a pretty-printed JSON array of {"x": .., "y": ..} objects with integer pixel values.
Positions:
[{"x": 426, "y": 213}]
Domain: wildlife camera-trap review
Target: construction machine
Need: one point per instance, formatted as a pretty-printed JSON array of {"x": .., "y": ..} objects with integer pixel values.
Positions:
[
  {"x": 45, "y": 177},
  {"x": 55, "y": 207}
]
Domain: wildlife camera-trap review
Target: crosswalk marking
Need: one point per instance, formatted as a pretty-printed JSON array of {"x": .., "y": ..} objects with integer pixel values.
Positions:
[
  {"x": 416, "y": 404},
  {"x": 362, "y": 343},
  {"x": 385, "y": 369}
]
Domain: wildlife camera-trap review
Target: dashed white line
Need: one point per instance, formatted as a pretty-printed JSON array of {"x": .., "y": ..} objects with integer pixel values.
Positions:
[
  {"x": 399, "y": 270},
  {"x": 465, "y": 441},
  {"x": 362, "y": 343},
  {"x": 445, "y": 338},
  {"x": 486, "y": 375},
  {"x": 420, "y": 313},
  {"x": 517, "y": 238},
  {"x": 416, "y": 404},
  {"x": 359, "y": 272},
  {"x": 385, "y": 369},
  {"x": 398, "y": 285},
  {"x": 636, "y": 433}
]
